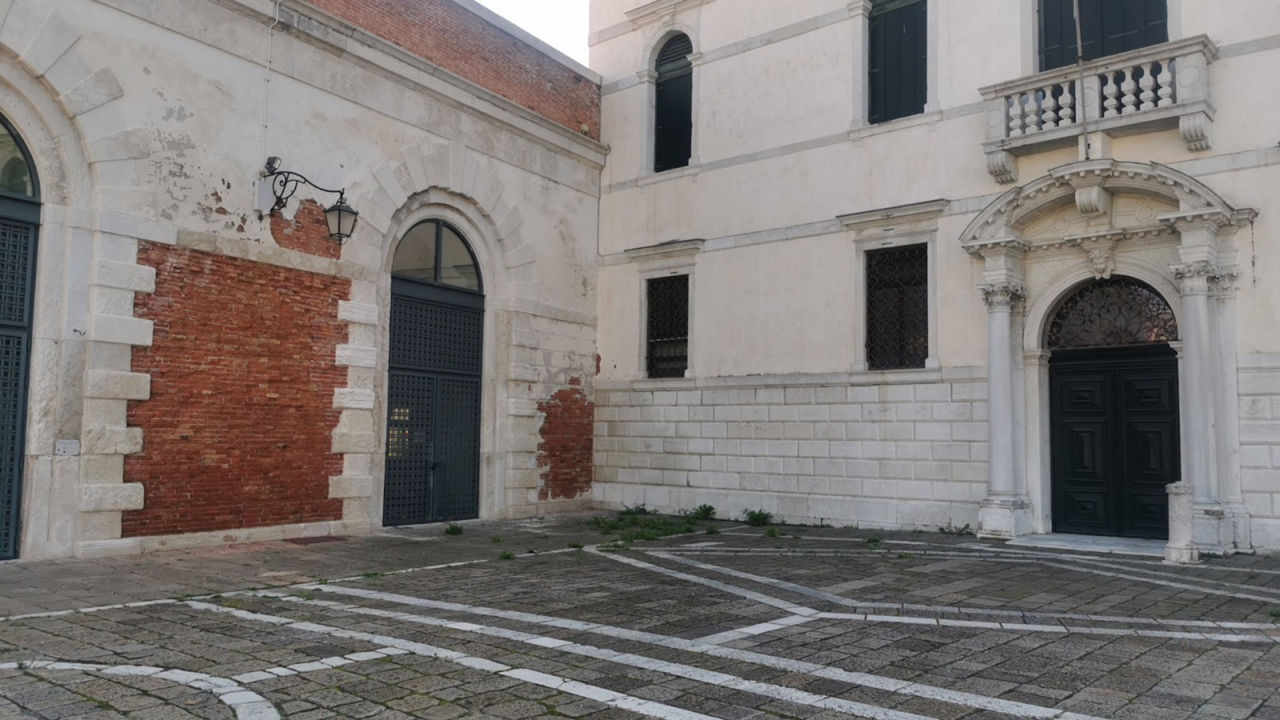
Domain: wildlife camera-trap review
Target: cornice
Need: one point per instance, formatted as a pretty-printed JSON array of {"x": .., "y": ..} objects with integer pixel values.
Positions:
[{"x": 655, "y": 11}]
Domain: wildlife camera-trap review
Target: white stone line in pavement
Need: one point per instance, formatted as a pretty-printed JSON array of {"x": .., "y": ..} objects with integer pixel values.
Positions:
[
  {"x": 555, "y": 682},
  {"x": 1127, "y": 560},
  {"x": 1033, "y": 628},
  {"x": 851, "y": 602},
  {"x": 877, "y": 682},
  {"x": 247, "y": 705},
  {"x": 724, "y": 587},
  {"x": 757, "y": 629},
  {"x": 1166, "y": 583},
  {"x": 171, "y": 601},
  {"x": 92, "y": 609},
  {"x": 326, "y": 663},
  {"x": 691, "y": 672},
  {"x": 1025, "y": 627}
]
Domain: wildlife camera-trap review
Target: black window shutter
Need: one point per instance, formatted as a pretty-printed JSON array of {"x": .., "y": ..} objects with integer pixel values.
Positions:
[
  {"x": 897, "y": 60},
  {"x": 673, "y": 106},
  {"x": 1107, "y": 27}
]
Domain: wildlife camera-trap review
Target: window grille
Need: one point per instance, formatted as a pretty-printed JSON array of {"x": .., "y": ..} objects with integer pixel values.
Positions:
[
  {"x": 898, "y": 307},
  {"x": 673, "y": 105},
  {"x": 1107, "y": 28},
  {"x": 897, "y": 60},
  {"x": 667, "y": 353},
  {"x": 1111, "y": 313}
]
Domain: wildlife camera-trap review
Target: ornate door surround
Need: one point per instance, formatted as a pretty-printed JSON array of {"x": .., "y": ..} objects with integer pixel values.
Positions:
[{"x": 1198, "y": 285}]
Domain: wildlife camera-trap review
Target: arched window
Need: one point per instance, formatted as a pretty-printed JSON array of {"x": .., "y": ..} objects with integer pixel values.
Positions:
[
  {"x": 434, "y": 252},
  {"x": 673, "y": 105},
  {"x": 1111, "y": 313}
]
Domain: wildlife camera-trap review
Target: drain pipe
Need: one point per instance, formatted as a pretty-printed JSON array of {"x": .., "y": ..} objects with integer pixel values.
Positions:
[{"x": 1081, "y": 107}]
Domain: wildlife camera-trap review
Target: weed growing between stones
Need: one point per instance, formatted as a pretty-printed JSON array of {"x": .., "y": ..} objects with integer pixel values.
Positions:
[
  {"x": 757, "y": 518},
  {"x": 453, "y": 529}
]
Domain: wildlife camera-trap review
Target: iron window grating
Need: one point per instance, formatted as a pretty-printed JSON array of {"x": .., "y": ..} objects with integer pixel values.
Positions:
[
  {"x": 667, "y": 335},
  {"x": 897, "y": 307},
  {"x": 1111, "y": 313}
]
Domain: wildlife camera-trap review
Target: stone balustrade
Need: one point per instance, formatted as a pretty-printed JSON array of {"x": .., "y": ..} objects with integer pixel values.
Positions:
[{"x": 1152, "y": 88}]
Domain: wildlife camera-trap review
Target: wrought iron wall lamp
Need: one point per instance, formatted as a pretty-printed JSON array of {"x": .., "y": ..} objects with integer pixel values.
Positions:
[{"x": 340, "y": 216}]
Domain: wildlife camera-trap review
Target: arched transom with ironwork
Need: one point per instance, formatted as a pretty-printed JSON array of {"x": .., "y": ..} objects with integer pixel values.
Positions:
[{"x": 1111, "y": 313}]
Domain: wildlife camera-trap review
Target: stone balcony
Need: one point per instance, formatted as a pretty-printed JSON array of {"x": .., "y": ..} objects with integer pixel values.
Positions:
[{"x": 1144, "y": 90}]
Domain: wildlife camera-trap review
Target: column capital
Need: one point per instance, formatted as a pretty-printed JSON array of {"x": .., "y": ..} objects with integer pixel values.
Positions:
[
  {"x": 1002, "y": 296},
  {"x": 1203, "y": 277},
  {"x": 860, "y": 8}
]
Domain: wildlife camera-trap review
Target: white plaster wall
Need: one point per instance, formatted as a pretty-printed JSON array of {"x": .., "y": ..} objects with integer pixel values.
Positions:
[{"x": 766, "y": 190}]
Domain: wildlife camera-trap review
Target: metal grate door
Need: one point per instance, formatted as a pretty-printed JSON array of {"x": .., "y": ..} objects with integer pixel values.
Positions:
[
  {"x": 433, "y": 417},
  {"x": 17, "y": 268}
]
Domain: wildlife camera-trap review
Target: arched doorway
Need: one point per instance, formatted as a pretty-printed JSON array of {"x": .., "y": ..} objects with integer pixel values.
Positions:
[
  {"x": 19, "y": 221},
  {"x": 1113, "y": 405},
  {"x": 434, "y": 379}
]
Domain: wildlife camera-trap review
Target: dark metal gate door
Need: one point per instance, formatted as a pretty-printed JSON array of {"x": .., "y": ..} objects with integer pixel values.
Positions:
[
  {"x": 17, "y": 279},
  {"x": 433, "y": 418},
  {"x": 1114, "y": 418}
]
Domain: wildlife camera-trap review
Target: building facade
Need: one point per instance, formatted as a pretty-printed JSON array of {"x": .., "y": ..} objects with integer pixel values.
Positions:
[
  {"x": 899, "y": 264},
  {"x": 929, "y": 272},
  {"x": 182, "y": 366}
]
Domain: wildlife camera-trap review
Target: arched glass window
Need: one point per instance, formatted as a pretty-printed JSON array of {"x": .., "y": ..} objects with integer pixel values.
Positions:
[
  {"x": 434, "y": 252},
  {"x": 1111, "y": 313},
  {"x": 16, "y": 176},
  {"x": 673, "y": 105}
]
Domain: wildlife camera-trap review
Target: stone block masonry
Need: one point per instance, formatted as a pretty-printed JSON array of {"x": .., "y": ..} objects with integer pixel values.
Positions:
[
  {"x": 910, "y": 455},
  {"x": 446, "y": 34},
  {"x": 1260, "y": 446},
  {"x": 237, "y": 432}
]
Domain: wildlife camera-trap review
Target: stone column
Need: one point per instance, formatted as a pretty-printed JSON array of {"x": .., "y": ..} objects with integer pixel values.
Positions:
[
  {"x": 1005, "y": 512},
  {"x": 1227, "y": 392}
]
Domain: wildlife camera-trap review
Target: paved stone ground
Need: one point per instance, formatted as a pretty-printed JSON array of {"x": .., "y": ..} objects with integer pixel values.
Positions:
[{"x": 815, "y": 623}]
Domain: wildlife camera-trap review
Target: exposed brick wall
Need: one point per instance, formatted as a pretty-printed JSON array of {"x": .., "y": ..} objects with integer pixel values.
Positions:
[
  {"x": 308, "y": 232},
  {"x": 565, "y": 443},
  {"x": 237, "y": 430},
  {"x": 443, "y": 33}
]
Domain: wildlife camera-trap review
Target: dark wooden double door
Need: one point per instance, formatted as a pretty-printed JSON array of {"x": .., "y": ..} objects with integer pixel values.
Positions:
[
  {"x": 1114, "y": 433},
  {"x": 433, "y": 418}
]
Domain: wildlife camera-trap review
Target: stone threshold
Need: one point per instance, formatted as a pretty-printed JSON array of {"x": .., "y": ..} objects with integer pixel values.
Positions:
[{"x": 1093, "y": 544}]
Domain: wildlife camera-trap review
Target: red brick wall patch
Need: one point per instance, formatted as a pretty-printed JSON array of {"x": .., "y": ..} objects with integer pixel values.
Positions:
[
  {"x": 237, "y": 431},
  {"x": 566, "y": 442}
]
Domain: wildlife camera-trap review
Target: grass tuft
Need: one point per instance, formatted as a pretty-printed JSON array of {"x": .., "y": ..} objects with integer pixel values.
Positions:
[{"x": 757, "y": 518}]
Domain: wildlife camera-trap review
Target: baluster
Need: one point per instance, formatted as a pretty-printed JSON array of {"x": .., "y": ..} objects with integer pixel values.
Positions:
[
  {"x": 1015, "y": 115},
  {"x": 1031, "y": 116},
  {"x": 1129, "y": 93},
  {"x": 1165, "y": 80},
  {"x": 1048, "y": 106},
  {"x": 1066, "y": 103},
  {"x": 1109, "y": 91},
  {"x": 1148, "y": 84}
]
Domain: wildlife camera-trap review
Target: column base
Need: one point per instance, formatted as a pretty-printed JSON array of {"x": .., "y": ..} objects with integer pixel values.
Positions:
[
  {"x": 1004, "y": 518},
  {"x": 1221, "y": 528}
]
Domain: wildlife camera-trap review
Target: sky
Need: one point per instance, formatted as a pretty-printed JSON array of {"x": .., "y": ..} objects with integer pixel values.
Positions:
[{"x": 562, "y": 24}]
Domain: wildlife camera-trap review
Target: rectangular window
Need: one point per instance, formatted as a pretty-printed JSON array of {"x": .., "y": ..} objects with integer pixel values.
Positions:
[
  {"x": 1107, "y": 27},
  {"x": 897, "y": 57},
  {"x": 667, "y": 348},
  {"x": 898, "y": 307}
]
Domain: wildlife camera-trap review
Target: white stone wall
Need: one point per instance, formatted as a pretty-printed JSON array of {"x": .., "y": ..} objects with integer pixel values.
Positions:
[
  {"x": 911, "y": 454},
  {"x": 151, "y": 121},
  {"x": 1260, "y": 445}
]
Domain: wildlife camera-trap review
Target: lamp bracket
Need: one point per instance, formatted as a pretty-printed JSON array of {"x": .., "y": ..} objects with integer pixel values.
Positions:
[{"x": 284, "y": 183}]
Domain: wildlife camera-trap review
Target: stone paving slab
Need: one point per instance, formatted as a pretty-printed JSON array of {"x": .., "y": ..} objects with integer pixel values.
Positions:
[{"x": 814, "y": 623}]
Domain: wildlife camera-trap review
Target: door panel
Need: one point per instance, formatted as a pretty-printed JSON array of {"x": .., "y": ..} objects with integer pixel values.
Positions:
[
  {"x": 17, "y": 279},
  {"x": 1114, "y": 435},
  {"x": 433, "y": 415}
]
